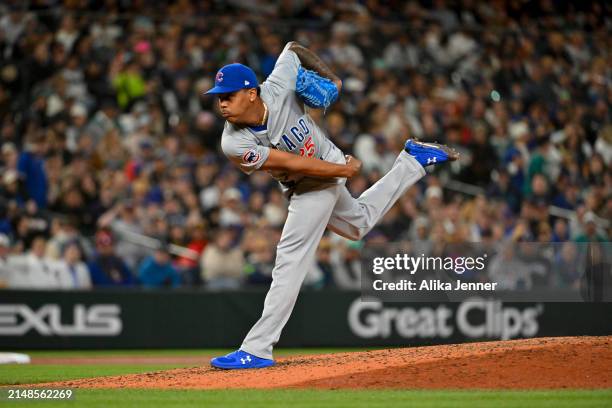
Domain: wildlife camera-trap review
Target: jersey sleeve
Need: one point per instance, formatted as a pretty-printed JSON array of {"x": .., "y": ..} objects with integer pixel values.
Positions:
[
  {"x": 285, "y": 71},
  {"x": 247, "y": 156}
]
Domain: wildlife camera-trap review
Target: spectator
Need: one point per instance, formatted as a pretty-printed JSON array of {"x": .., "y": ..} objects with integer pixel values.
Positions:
[
  {"x": 76, "y": 128},
  {"x": 231, "y": 208},
  {"x": 74, "y": 272},
  {"x": 590, "y": 233},
  {"x": 10, "y": 156},
  {"x": 188, "y": 266},
  {"x": 124, "y": 223},
  {"x": 31, "y": 166},
  {"x": 127, "y": 80},
  {"x": 106, "y": 268},
  {"x": 157, "y": 271},
  {"x": 508, "y": 270},
  {"x": 103, "y": 121},
  {"x": 402, "y": 53},
  {"x": 346, "y": 262},
  {"x": 560, "y": 231},
  {"x": 13, "y": 24},
  {"x": 222, "y": 263},
  {"x": 11, "y": 188},
  {"x": 568, "y": 265},
  {"x": 344, "y": 53},
  {"x": 33, "y": 270},
  {"x": 272, "y": 48},
  {"x": 483, "y": 158},
  {"x": 324, "y": 265},
  {"x": 5, "y": 246},
  {"x": 260, "y": 261}
]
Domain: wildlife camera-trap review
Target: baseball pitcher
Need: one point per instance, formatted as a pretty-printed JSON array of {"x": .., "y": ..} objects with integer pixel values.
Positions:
[{"x": 267, "y": 128}]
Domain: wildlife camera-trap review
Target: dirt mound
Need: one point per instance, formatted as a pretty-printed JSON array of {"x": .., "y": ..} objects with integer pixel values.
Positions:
[{"x": 563, "y": 362}]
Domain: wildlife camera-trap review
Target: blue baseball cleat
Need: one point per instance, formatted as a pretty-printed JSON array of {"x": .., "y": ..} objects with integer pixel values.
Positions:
[
  {"x": 240, "y": 359},
  {"x": 430, "y": 153}
]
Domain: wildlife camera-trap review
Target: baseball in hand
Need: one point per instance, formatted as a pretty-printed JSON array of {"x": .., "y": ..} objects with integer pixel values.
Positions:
[{"x": 353, "y": 164}]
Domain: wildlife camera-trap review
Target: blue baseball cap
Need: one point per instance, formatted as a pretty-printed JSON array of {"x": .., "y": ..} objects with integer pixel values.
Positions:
[{"x": 232, "y": 78}]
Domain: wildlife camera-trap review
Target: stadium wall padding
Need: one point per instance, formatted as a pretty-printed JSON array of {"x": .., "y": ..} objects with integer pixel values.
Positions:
[{"x": 200, "y": 319}]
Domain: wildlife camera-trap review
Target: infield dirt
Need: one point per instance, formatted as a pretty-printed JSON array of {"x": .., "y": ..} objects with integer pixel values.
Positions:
[{"x": 542, "y": 363}]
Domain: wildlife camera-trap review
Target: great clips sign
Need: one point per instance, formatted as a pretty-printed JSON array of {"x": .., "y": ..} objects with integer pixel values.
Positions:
[{"x": 472, "y": 319}]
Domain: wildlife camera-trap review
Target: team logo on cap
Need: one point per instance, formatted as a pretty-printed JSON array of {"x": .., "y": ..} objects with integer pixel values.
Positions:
[
  {"x": 219, "y": 77},
  {"x": 251, "y": 156}
]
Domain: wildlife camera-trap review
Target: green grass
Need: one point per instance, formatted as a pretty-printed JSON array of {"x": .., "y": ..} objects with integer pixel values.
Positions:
[
  {"x": 122, "y": 398},
  {"x": 333, "y": 399},
  {"x": 28, "y": 374},
  {"x": 32, "y": 373}
]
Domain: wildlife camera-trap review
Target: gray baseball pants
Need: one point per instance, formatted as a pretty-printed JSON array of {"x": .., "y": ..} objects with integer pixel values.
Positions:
[{"x": 309, "y": 214}]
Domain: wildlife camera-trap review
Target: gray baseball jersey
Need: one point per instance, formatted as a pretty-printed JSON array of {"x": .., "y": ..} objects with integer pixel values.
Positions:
[
  {"x": 327, "y": 203},
  {"x": 289, "y": 128}
]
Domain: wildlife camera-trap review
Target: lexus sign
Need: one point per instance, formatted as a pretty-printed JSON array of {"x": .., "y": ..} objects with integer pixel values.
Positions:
[{"x": 51, "y": 320}]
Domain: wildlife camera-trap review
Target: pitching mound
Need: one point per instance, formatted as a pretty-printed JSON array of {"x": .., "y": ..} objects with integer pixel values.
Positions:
[{"x": 563, "y": 362}]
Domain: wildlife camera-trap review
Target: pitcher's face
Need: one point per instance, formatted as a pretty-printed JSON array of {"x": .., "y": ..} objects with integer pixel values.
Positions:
[{"x": 235, "y": 105}]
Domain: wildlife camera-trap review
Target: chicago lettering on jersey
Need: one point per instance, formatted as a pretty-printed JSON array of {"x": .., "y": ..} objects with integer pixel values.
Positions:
[{"x": 297, "y": 135}]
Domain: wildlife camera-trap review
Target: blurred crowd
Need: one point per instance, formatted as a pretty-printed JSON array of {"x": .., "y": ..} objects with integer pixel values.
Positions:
[{"x": 111, "y": 173}]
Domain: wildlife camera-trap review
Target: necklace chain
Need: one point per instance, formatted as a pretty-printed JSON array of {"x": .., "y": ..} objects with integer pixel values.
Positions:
[{"x": 265, "y": 115}]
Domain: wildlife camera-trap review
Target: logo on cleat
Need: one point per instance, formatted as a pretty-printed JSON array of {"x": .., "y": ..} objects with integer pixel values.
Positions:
[
  {"x": 431, "y": 160},
  {"x": 244, "y": 360}
]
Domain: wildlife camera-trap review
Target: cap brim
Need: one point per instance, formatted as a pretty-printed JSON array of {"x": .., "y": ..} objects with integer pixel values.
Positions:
[{"x": 221, "y": 90}]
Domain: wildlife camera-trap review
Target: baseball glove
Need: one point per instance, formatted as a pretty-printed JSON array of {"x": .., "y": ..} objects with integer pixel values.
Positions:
[{"x": 316, "y": 91}]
